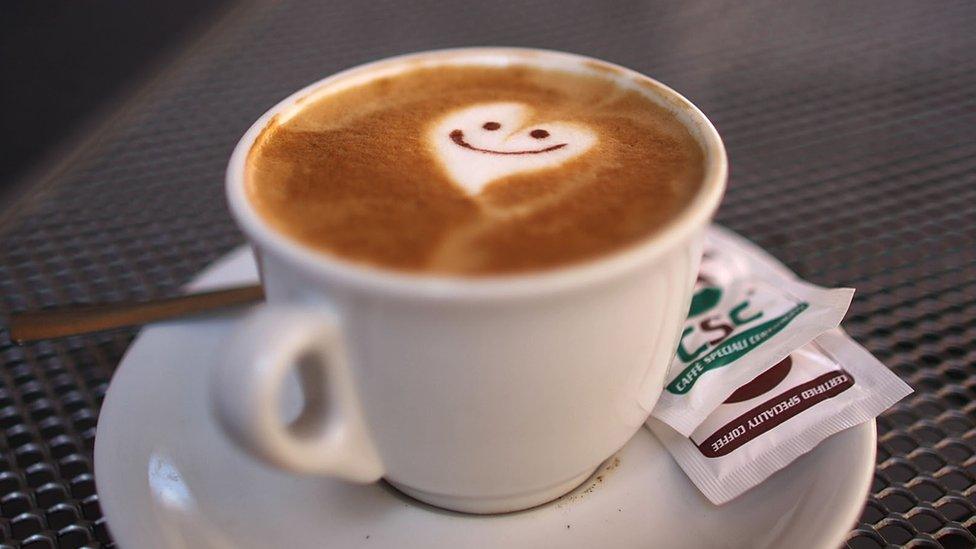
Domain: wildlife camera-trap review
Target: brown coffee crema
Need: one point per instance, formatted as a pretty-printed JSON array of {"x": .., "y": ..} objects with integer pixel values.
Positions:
[{"x": 355, "y": 173}]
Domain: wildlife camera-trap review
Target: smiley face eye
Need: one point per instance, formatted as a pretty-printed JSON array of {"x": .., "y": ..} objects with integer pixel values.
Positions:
[
  {"x": 539, "y": 134},
  {"x": 491, "y": 126}
]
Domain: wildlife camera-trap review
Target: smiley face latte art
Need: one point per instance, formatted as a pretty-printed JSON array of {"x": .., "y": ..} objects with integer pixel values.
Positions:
[
  {"x": 482, "y": 143},
  {"x": 467, "y": 170}
]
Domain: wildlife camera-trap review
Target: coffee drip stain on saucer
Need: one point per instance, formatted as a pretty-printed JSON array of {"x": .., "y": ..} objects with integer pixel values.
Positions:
[{"x": 593, "y": 483}]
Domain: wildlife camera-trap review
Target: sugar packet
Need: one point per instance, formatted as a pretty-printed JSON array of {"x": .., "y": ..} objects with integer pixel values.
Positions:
[
  {"x": 748, "y": 313},
  {"x": 820, "y": 389}
]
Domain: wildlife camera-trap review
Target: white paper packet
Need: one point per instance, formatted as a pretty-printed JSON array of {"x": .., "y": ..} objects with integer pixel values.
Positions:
[
  {"x": 747, "y": 314},
  {"x": 820, "y": 389}
]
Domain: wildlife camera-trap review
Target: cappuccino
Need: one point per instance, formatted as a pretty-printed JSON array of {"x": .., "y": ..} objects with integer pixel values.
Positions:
[{"x": 475, "y": 170}]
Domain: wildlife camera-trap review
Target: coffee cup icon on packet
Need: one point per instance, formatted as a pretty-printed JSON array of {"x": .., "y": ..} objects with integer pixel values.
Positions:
[
  {"x": 734, "y": 434},
  {"x": 822, "y": 388}
]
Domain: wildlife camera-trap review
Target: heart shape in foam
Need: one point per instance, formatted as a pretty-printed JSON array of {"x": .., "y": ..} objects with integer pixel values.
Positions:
[{"x": 488, "y": 141}]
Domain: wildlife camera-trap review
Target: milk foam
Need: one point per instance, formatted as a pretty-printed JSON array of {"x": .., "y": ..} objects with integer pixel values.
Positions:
[
  {"x": 488, "y": 141},
  {"x": 473, "y": 170}
]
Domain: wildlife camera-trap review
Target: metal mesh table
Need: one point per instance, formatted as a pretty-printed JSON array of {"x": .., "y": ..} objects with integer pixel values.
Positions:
[{"x": 850, "y": 129}]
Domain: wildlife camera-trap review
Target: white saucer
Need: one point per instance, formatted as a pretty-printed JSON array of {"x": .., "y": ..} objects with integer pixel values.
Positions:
[{"x": 167, "y": 477}]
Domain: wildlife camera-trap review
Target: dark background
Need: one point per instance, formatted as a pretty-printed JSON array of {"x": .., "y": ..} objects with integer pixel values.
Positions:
[
  {"x": 64, "y": 62},
  {"x": 850, "y": 126}
]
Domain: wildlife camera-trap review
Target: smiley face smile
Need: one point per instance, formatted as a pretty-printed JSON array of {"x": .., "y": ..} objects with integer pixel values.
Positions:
[{"x": 458, "y": 137}]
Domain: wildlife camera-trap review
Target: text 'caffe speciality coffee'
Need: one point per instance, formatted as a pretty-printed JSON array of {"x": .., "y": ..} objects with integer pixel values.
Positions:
[{"x": 745, "y": 317}]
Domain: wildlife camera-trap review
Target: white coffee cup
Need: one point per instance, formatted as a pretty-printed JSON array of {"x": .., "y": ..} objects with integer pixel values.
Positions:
[{"x": 483, "y": 395}]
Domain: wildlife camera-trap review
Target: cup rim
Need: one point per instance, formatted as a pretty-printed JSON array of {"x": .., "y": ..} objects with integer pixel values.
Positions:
[{"x": 695, "y": 216}]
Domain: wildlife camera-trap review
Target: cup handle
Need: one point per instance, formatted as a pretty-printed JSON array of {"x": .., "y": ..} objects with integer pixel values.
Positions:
[{"x": 329, "y": 436}]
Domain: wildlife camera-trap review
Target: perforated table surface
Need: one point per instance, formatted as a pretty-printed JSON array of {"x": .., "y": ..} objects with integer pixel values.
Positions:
[{"x": 850, "y": 129}]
